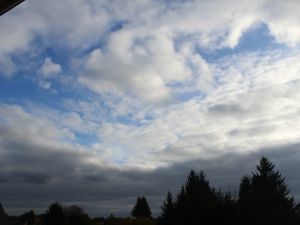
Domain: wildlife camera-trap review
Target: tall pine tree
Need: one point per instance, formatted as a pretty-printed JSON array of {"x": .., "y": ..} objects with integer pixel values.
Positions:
[
  {"x": 265, "y": 198},
  {"x": 167, "y": 211},
  {"x": 272, "y": 200},
  {"x": 141, "y": 208},
  {"x": 197, "y": 202},
  {"x": 244, "y": 201}
]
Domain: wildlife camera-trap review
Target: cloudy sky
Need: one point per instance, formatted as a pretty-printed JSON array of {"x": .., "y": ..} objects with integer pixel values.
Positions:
[{"x": 105, "y": 100}]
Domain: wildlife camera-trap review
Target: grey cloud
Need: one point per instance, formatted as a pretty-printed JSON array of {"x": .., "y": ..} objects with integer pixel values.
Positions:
[
  {"x": 255, "y": 130},
  {"x": 24, "y": 177},
  {"x": 227, "y": 109},
  {"x": 68, "y": 177}
]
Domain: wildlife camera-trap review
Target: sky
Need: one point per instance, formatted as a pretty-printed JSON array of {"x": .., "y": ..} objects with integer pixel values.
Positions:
[{"x": 105, "y": 100}]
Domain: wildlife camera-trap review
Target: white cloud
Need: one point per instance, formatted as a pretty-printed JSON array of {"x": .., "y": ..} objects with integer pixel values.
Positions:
[
  {"x": 49, "y": 69},
  {"x": 195, "y": 19},
  {"x": 148, "y": 48},
  {"x": 7, "y": 67},
  {"x": 38, "y": 129},
  {"x": 254, "y": 106},
  {"x": 142, "y": 72},
  {"x": 282, "y": 19},
  {"x": 73, "y": 25},
  {"x": 75, "y": 122},
  {"x": 153, "y": 57},
  {"x": 47, "y": 72},
  {"x": 148, "y": 56}
]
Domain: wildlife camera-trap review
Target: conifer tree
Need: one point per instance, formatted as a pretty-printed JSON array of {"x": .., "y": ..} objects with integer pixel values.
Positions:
[
  {"x": 265, "y": 198},
  {"x": 196, "y": 201},
  {"x": 229, "y": 209},
  {"x": 167, "y": 211},
  {"x": 244, "y": 201},
  {"x": 180, "y": 207},
  {"x": 271, "y": 198},
  {"x": 141, "y": 208}
]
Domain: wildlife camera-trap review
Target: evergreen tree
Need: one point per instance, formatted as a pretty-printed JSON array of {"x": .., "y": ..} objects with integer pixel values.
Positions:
[
  {"x": 271, "y": 198},
  {"x": 244, "y": 201},
  {"x": 141, "y": 208},
  {"x": 229, "y": 209},
  {"x": 197, "y": 201},
  {"x": 265, "y": 199},
  {"x": 180, "y": 209},
  {"x": 167, "y": 211},
  {"x": 201, "y": 200},
  {"x": 297, "y": 215}
]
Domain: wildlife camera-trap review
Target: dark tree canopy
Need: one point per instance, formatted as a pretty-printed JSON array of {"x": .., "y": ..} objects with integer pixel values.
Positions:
[
  {"x": 265, "y": 197},
  {"x": 69, "y": 215},
  {"x": 54, "y": 215},
  {"x": 196, "y": 200},
  {"x": 28, "y": 217},
  {"x": 75, "y": 215},
  {"x": 244, "y": 201},
  {"x": 167, "y": 211},
  {"x": 141, "y": 208}
]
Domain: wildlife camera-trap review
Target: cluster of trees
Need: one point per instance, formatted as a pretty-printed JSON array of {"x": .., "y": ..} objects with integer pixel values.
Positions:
[
  {"x": 57, "y": 214},
  {"x": 263, "y": 199}
]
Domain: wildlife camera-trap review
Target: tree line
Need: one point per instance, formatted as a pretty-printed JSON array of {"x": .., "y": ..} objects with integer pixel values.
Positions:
[{"x": 263, "y": 199}]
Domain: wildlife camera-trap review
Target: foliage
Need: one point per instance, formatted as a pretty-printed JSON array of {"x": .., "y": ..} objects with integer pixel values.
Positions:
[
  {"x": 263, "y": 199},
  {"x": 197, "y": 200},
  {"x": 167, "y": 211},
  {"x": 141, "y": 208},
  {"x": 75, "y": 215},
  {"x": 70, "y": 215},
  {"x": 55, "y": 215},
  {"x": 28, "y": 218},
  {"x": 129, "y": 221}
]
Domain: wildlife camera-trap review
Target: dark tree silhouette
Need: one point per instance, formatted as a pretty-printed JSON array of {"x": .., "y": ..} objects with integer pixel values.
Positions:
[
  {"x": 297, "y": 215},
  {"x": 76, "y": 216},
  {"x": 229, "y": 209},
  {"x": 265, "y": 198},
  {"x": 70, "y": 215},
  {"x": 244, "y": 201},
  {"x": 167, "y": 211},
  {"x": 197, "y": 200},
  {"x": 272, "y": 200},
  {"x": 55, "y": 215},
  {"x": 141, "y": 208},
  {"x": 28, "y": 217},
  {"x": 4, "y": 220},
  {"x": 180, "y": 204}
]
